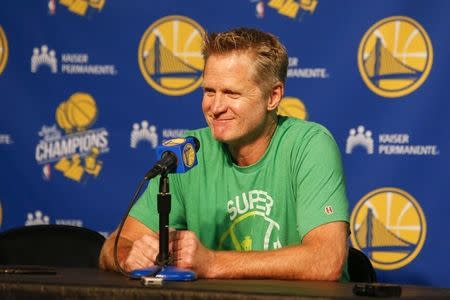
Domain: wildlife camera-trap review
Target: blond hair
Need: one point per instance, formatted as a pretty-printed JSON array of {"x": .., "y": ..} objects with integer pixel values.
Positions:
[{"x": 270, "y": 56}]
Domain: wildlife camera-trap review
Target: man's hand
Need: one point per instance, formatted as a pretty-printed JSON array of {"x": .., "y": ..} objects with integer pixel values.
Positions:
[
  {"x": 143, "y": 253},
  {"x": 138, "y": 247},
  {"x": 189, "y": 253}
]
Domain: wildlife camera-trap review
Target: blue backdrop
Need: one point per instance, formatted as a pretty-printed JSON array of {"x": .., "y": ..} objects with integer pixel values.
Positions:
[{"x": 88, "y": 88}]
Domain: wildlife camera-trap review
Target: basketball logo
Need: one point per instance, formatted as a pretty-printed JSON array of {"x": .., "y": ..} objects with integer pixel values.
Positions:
[
  {"x": 389, "y": 226},
  {"x": 3, "y": 50},
  {"x": 170, "y": 56},
  {"x": 292, "y": 107},
  {"x": 395, "y": 57},
  {"x": 79, "y": 112}
]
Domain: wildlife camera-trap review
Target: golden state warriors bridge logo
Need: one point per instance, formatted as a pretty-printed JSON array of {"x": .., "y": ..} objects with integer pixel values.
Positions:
[
  {"x": 170, "y": 56},
  {"x": 395, "y": 57},
  {"x": 3, "y": 50},
  {"x": 388, "y": 224},
  {"x": 75, "y": 153}
]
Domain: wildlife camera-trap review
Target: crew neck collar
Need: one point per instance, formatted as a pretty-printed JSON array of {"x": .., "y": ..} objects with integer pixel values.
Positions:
[{"x": 257, "y": 165}]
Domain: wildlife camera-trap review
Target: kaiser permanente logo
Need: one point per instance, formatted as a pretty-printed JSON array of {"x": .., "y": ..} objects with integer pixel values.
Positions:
[
  {"x": 294, "y": 9},
  {"x": 3, "y": 50},
  {"x": 74, "y": 151},
  {"x": 395, "y": 56},
  {"x": 39, "y": 218},
  {"x": 388, "y": 143},
  {"x": 146, "y": 133},
  {"x": 70, "y": 63},
  {"x": 169, "y": 55},
  {"x": 295, "y": 71},
  {"x": 143, "y": 132}
]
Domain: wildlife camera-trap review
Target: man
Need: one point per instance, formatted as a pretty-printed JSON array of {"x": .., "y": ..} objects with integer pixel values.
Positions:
[{"x": 263, "y": 182}]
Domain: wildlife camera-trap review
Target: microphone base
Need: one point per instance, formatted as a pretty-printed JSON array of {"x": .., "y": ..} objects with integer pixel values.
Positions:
[
  {"x": 170, "y": 273},
  {"x": 151, "y": 271},
  {"x": 167, "y": 273}
]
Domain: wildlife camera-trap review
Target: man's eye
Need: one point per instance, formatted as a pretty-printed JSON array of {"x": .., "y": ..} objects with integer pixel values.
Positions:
[{"x": 233, "y": 95}]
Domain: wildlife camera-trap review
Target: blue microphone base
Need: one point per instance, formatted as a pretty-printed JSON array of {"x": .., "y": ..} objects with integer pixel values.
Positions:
[{"x": 167, "y": 273}]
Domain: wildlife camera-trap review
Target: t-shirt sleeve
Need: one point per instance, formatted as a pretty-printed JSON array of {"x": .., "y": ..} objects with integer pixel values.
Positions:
[
  {"x": 321, "y": 194},
  {"x": 146, "y": 208}
]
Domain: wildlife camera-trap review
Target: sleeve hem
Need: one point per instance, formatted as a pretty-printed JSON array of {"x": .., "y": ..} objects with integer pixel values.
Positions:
[{"x": 305, "y": 230}]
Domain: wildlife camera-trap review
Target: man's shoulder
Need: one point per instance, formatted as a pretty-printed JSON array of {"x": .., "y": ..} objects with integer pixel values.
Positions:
[{"x": 302, "y": 129}]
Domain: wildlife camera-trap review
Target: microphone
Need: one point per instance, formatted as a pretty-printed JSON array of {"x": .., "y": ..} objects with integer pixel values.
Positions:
[{"x": 175, "y": 156}]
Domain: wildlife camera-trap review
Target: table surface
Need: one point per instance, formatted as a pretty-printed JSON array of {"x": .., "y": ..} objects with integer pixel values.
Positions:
[{"x": 76, "y": 283}]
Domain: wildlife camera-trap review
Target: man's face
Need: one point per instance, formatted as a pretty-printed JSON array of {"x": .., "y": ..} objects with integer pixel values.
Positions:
[{"x": 233, "y": 104}]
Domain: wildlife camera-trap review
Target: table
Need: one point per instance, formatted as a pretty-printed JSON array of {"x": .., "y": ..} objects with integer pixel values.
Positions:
[{"x": 76, "y": 283}]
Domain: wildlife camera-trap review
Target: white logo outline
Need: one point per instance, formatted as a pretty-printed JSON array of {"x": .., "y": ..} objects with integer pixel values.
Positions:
[
  {"x": 45, "y": 57},
  {"x": 359, "y": 137}
]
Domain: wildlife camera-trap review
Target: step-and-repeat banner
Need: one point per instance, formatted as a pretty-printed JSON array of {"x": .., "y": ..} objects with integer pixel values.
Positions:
[{"x": 88, "y": 88}]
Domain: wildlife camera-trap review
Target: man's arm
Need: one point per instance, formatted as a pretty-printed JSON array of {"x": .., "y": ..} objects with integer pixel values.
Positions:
[
  {"x": 137, "y": 248},
  {"x": 321, "y": 256}
]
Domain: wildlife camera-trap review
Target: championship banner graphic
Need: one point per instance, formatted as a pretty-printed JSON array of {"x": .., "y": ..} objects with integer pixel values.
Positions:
[
  {"x": 78, "y": 7},
  {"x": 75, "y": 153},
  {"x": 294, "y": 9}
]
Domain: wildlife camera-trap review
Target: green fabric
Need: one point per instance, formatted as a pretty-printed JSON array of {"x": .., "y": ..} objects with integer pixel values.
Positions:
[{"x": 296, "y": 186}]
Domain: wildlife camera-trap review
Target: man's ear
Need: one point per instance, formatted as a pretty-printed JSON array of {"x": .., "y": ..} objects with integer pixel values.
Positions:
[{"x": 275, "y": 96}]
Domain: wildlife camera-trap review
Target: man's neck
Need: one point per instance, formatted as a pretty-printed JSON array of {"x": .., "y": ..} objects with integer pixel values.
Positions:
[{"x": 246, "y": 154}]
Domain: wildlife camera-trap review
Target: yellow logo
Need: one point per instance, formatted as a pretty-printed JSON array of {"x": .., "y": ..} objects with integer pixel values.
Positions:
[
  {"x": 292, "y": 107},
  {"x": 395, "y": 57},
  {"x": 3, "y": 50},
  {"x": 77, "y": 113},
  {"x": 291, "y": 8},
  {"x": 170, "y": 57},
  {"x": 188, "y": 155},
  {"x": 80, "y": 7},
  {"x": 388, "y": 224},
  {"x": 75, "y": 153},
  {"x": 174, "y": 142}
]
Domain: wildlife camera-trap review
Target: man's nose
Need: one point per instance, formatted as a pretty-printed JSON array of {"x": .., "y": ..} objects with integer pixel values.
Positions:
[{"x": 219, "y": 104}]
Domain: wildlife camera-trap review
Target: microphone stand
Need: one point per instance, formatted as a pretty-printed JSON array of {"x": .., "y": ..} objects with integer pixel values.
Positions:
[
  {"x": 163, "y": 269},
  {"x": 164, "y": 206}
]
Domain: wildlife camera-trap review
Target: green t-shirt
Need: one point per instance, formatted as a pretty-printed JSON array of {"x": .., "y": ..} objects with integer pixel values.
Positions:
[{"x": 296, "y": 186}]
